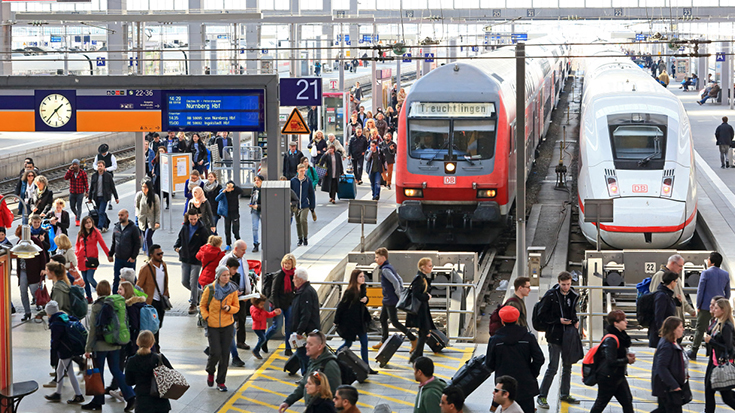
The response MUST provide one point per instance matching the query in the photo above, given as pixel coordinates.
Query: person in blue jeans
(103, 351)
(352, 317)
(101, 190)
(281, 296)
(125, 246)
(255, 210)
(375, 166)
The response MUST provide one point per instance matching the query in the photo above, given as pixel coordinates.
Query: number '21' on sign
(301, 91)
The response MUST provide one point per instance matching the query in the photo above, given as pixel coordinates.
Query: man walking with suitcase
(392, 285)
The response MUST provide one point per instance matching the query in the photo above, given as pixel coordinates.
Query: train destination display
(235, 110)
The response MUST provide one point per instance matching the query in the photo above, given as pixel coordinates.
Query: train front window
(429, 138)
(638, 140)
(473, 139)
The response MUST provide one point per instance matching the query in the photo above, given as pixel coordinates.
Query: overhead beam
(235, 17)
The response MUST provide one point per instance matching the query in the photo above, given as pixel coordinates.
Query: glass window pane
(466, 4)
(388, 5)
(366, 5)
(571, 3)
(546, 3)
(625, 3)
(474, 139)
(429, 138)
(599, 3)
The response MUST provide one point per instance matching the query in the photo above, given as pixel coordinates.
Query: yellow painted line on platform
(265, 376)
(239, 410)
(651, 363)
(444, 356)
(651, 353)
(444, 366)
(411, 368)
(239, 393)
(390, 386)
(384, 373)
(262, 403)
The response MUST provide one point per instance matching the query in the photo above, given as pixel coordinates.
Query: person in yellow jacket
(664, 78)
(218, 306)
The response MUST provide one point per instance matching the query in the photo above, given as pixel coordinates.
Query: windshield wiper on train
(647, 159)
(467, 158)
(432, 159)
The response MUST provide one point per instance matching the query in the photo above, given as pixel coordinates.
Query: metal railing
(336, 293)
(619, 289)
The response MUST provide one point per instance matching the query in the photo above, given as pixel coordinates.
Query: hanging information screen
(233, 110)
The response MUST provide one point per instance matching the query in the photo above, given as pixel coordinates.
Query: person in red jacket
(210, 255)
(260, 317)
(87, 253)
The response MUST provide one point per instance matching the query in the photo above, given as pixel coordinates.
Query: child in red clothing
(260, 317)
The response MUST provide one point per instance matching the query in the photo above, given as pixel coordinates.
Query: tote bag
(93, 385)
(168, 383)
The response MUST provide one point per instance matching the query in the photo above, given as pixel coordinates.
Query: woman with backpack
(420, 287)
(218, 306)
(62, 349)
(133, 304)
(719, 339)
(352, 316)
(612, 363)
(104, 351)
(88, 254)
(61, 286)
(669, 378)
(139, 373)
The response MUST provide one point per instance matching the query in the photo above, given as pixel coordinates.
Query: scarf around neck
(194, 184)
(287, 283)
(210, 187)
(221, 292)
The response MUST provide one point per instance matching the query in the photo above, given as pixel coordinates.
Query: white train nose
(646, 223)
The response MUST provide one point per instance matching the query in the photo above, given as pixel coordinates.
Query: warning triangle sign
(295, 125)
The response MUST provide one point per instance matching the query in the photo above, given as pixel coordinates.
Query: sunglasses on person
(495, 390)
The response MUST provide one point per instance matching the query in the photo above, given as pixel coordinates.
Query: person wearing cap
(101, 189)
(103, 154)
(78, 187)
(714, 90)
(291, 160)
(255, 210)
(514, 351)
(60, 350)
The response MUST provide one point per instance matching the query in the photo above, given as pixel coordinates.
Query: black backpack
(538, 310)
(645, 309)
(268, 280)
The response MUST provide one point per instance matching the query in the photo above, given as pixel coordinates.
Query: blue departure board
(231, 110)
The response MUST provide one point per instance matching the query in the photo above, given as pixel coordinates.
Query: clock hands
(54, 112)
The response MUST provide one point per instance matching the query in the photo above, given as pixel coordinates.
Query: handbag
(78, 280)
(312, 150)
(93, 385)
(407, 302)
(681, 397)
(90, 262)
(42, 296)
(164, 300)
(723, 374)
(321, 170)
(168, 383)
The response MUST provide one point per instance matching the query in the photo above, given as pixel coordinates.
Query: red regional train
(455, 180)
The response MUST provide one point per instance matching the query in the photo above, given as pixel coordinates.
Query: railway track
(125, 160)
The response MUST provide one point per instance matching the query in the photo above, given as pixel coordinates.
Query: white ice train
(635, 146)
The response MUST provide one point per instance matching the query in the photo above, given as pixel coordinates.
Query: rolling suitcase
(470, 376)
(388, 349)
(437, 341)
(92, 209)
(293, 365)
(355, 363)
(347, 187)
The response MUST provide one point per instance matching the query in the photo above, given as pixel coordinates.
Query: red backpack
(589, 368)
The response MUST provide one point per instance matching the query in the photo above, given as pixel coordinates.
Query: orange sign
(295, 124)
(375, 296)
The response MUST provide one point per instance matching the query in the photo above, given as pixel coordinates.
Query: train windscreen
(429, 138)
(473, 139)
(638, 141)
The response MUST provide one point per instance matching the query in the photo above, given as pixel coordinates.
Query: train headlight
(413, 193)
(486, 193)
(450, 167)
(612, 186)
(667, 186)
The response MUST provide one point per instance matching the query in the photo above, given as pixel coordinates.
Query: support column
(140, 158)
(521, 257)
(702, 67)
(292, 70)
(354, 31)
(342, 62)
(117, 39)
(377, 95)
(452, 51)
(726, 74)
(196, 39)
(6, 37)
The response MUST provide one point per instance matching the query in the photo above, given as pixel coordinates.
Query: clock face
(55, 110)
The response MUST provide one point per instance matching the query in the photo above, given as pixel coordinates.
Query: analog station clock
(55, 110)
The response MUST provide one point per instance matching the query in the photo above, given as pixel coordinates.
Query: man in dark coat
(304, 313)
(312, 121)
(192, 236)
(559, 311)
(356, 149)
(664, 305)
(330, 182)
(125, 245)
(291, 160)
(101, 190)
(513, 351)
(724, 135)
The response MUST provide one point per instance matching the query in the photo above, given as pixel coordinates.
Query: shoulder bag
(723, 373)
(90, 262)
(407, 302)
(42, 296)
(164, 300)
(168, 383)
(93, 379)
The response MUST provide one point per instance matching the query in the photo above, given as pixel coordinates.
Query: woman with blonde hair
(210, 254)
(41, 197)
(65, 249)
(281, 295)
(719, 339)
(317, 386)
(420, 287)
(139, 374)
(58, 218)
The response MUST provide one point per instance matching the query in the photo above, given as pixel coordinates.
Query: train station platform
(330, 239)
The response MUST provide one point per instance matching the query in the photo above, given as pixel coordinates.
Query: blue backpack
(149, 319)
(643, 287)
(75, 339)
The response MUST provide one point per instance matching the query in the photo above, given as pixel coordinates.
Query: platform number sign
(530, 12)
(650, 268)
(687, 11)
(301, 92)
(496, 12)
(618, 12)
